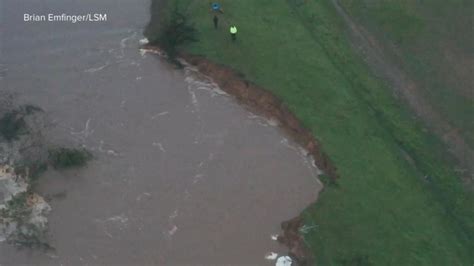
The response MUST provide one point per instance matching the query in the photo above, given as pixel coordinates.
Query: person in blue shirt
(216, 7)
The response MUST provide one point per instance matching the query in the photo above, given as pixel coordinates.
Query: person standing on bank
(233, 32)
(216, 21)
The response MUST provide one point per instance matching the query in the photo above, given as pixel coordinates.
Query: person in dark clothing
(216, 21)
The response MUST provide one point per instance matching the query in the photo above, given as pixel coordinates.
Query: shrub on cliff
(28, 234)
(61, 158)
(13, 123)
(173, 32)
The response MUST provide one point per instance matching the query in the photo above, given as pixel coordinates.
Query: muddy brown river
(182, 174)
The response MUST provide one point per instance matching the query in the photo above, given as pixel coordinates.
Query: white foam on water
(198, 81)
(92, 70)
(123, 44)
(86, 132)
(271, 256)
(263, 121)
(173, 230)
(197, 178)
(118, 219)
(159, 114)
(307, 159)
(187, 195)
(273, 122)
(143, 41)
(108, 151)
(173, 215)
(143, 195)
(171, 219)
(143, 52)
(133, 63)
(194, 98)
(113, 153)
(159, 145)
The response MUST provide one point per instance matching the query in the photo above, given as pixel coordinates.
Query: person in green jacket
(233, 32)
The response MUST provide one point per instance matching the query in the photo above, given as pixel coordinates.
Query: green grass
(382, 210)
(435, 39)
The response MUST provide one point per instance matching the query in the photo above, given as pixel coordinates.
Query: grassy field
(435, 39)
(398, 200)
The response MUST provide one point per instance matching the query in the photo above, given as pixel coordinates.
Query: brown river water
(182, 174)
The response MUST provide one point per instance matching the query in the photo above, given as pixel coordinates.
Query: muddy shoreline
(263, 102)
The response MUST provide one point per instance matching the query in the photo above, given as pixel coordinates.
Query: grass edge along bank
(398, 201)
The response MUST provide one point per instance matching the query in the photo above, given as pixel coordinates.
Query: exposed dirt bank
(293, 239)
(265, 103)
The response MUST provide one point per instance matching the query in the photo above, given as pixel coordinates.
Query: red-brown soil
(265, 103)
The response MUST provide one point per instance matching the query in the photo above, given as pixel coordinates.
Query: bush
(12, 125)
(31, 170)
(62, 158)
(30, 237)
(173, 33)
(16, 208)
(327, 180)
(27, 234)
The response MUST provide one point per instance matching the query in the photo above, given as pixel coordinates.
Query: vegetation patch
(31, 170)
(327, 180)
(62, 158)
(13, 124)
(174, 31)
(16, 209)
(19, 211)
(23, 220)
